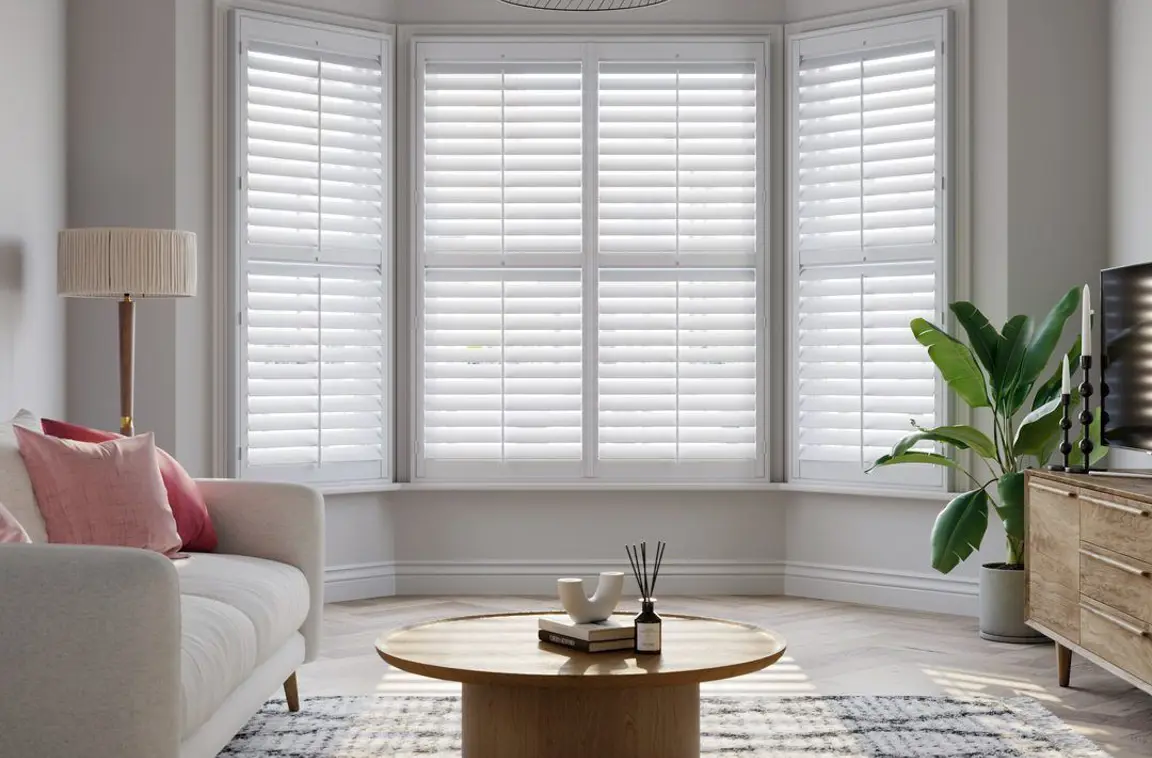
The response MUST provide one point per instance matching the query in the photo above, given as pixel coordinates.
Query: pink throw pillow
(184, 498)
(10, 529)
(106, 493)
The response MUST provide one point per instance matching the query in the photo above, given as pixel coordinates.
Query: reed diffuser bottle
(649, 627)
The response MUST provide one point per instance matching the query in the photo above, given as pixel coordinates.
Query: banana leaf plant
(995, 372)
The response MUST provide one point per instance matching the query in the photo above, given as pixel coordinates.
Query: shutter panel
(315, 371)
(502, 370)
(869, 242)
(677, 166)
(677, 352)
(677, 364)
(866, 137)
(502, 164)
(314, 234)
(502, 184)
(863, 379)
(315, 155)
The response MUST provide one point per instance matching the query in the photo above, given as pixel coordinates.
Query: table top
(504, 650)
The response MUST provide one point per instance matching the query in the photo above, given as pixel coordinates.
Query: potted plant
(997, 371)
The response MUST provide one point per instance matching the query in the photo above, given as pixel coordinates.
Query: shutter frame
(840, 45)
(351, 446)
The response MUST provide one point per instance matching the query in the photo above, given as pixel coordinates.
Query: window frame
(881, 29)
(332, 37)
(589, 44)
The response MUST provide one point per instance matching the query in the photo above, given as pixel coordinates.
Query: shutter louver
(866, 150)
(314, 235)
(868, 246)
(678, 196)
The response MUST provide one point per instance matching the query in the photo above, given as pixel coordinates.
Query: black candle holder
(1066, 426)
(1085, 416)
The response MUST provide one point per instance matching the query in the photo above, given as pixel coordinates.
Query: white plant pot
(1002, 609)
(588, 610)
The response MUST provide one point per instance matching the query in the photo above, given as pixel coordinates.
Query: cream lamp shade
(114, 262)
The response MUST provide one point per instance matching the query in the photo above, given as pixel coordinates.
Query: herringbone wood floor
(834, 648)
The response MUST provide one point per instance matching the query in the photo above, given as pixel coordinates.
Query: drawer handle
(1116, 564)
(1053, 490)
(1130, 510)
(1118, 622)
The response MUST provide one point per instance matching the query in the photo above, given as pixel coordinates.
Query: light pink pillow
(100, 493)
(10, 529)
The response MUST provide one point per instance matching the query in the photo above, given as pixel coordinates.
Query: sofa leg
(292, 693)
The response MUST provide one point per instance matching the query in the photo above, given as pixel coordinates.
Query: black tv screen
(1126, 362)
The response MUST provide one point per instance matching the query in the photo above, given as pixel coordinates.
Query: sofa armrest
(280, 522)
(89, 652)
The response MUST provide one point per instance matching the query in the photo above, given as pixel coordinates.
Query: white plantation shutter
(589, 225)
(313, 237)
(678, 179)
(869, 243)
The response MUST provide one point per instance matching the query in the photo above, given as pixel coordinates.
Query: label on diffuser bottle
(648, 637)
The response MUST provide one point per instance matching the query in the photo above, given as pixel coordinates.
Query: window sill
(658, 486)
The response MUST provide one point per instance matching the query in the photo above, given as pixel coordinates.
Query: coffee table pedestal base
(555, 722)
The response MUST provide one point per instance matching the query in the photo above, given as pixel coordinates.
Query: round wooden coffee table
(527, 699)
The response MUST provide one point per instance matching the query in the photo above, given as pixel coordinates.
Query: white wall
(32, 204)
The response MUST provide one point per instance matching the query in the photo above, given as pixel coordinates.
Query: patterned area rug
(791, 727)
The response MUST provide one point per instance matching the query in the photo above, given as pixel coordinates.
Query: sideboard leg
(1063, 664)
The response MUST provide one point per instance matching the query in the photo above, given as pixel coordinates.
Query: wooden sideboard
(1089, 566)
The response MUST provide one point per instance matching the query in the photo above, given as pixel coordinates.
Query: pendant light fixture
(583, 5)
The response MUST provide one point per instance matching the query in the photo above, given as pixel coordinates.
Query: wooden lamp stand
(127, 308)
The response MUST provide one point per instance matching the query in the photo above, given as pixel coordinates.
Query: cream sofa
(122, 653)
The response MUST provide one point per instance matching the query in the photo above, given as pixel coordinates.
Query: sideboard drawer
(1120, 525)
(1116, 580)
(1054, 523)
(1116, 637)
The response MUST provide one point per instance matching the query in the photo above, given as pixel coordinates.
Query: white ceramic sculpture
(589, 610)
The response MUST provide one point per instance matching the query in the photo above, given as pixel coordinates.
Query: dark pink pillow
(100, 493)
(10, 529)
(188, 506)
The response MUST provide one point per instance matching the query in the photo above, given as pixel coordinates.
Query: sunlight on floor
(960, 683)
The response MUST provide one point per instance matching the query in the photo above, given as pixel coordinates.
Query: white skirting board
(880, 587)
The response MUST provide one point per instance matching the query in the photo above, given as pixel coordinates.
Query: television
(1125, 327)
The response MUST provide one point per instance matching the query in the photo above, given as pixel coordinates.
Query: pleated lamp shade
(114, 262)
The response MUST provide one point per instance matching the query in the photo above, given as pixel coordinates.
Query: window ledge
(815, 488)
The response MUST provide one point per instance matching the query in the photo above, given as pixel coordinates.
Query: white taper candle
(1065, 379)
(1086, 323)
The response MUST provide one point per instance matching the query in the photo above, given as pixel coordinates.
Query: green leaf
(961, 436)
(1011, 507)
(1051, 388)
(1038, 429)
(934, 459)
(981, 333)
(1009, 358)
(1040, 349)
(955, 362)
(959, 530)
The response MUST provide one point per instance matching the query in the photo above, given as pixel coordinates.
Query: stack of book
(602, 637)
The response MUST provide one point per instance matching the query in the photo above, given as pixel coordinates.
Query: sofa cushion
(217, 653)
(273, 596)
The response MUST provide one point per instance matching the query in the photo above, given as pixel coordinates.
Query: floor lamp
(125, 264)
